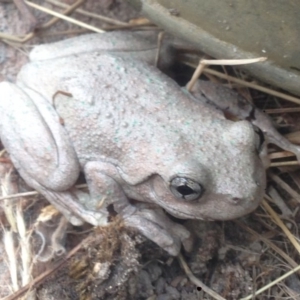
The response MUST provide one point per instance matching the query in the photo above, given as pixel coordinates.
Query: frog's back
(120, 109)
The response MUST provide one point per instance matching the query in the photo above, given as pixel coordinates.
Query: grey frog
(91, 104)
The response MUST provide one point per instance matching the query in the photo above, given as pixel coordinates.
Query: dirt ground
(233, 258)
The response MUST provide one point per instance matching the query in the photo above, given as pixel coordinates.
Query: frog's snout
(236, 200)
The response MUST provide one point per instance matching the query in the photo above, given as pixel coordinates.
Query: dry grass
(278, 217)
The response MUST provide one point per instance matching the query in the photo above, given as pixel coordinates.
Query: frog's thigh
(37, 142)
(152, 223)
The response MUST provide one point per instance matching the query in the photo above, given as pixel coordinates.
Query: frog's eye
(186, 188)
(259, 139)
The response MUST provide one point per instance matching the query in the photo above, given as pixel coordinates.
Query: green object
(231, 29)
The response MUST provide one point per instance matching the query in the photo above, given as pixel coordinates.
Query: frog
(149, 149)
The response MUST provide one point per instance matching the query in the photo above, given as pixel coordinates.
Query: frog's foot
(157, 227)
(234, 104)
(52, 234)
(68, 202)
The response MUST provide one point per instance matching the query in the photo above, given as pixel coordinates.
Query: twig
(278, 221)
(284, 163)
(38, 280)
(26, 256)
(284, 186)
(159, 43)
(282, 110)
(232, 62)
(281, 154)
(285, 256)
(33, 193)
(247, 84)
(63, 17)
(89, 14)
(26, 194)
(17, 39)
(27, 14)
(2, 152)
(12, 260)
(57, 16)
(195, 76)
(196, 281)
(264, 288)
(67, 12)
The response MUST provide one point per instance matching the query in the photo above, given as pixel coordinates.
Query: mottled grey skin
(131, 130)
(231, 102)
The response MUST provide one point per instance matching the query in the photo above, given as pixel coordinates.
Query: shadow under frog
(95, 104)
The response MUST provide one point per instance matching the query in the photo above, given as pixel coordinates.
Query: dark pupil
(185, 190)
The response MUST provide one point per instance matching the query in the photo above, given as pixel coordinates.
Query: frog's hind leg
(40, 149)
(68, 202)
(32, 134)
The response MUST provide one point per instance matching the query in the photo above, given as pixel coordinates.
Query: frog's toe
(155, 233)
(156, 226)
(52, 236)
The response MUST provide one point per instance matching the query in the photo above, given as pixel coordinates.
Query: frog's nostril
(236, 200)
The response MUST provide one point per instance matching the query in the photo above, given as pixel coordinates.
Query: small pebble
(175, 295)
(154, 271)
(160, 285)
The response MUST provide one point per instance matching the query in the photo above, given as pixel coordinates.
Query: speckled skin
(131, 130)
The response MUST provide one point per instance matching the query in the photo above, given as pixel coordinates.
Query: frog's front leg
(151, 222)
(40, 149)
(231, 102)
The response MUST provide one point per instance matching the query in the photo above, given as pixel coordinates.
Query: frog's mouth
(218, 208)
(210, 206)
